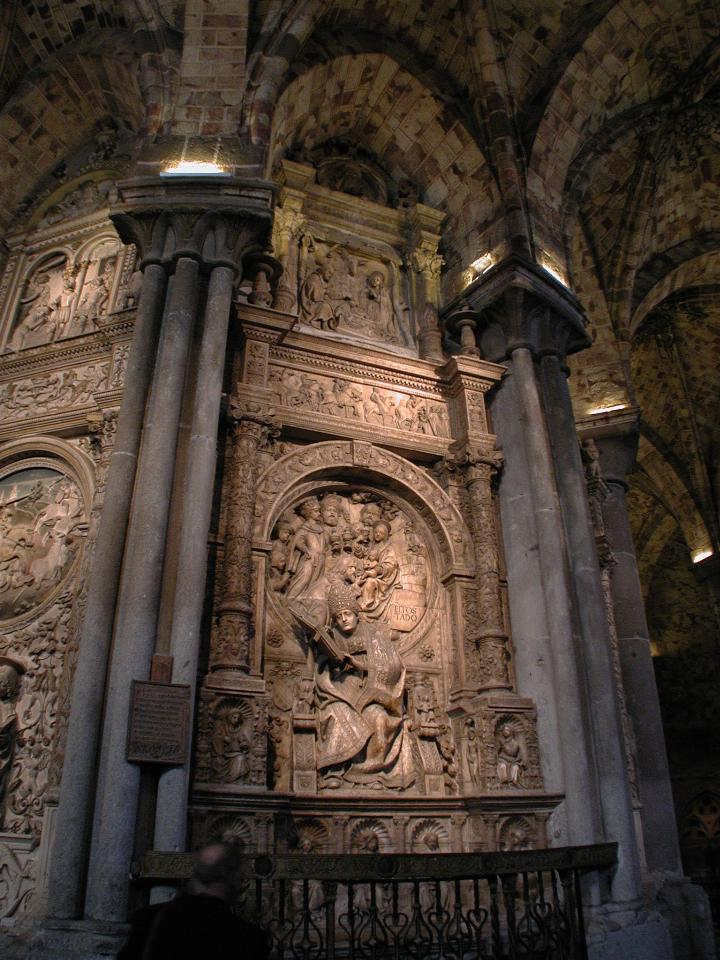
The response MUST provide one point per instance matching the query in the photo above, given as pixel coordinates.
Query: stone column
(136, 618)
(425, 264)
(532, 640)
(171, 816)
(230, 654)
(67, 865)
(607, 734)
(580, 783)
(662, 852)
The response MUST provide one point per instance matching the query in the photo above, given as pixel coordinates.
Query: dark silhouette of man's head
(215, 871)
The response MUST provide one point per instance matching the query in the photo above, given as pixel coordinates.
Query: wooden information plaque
(159, 721)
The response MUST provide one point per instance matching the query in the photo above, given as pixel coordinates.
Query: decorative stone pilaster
(486, 636)
(425, 267)
(288, 231)
(230, 656)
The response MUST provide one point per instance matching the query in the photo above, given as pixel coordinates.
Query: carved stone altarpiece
(372, 688)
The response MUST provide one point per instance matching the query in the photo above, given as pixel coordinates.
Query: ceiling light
(701, 555)
(615, 406)
(195, 168)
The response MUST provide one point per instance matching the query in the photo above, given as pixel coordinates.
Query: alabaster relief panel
(64, 296)
(353, 292)
(42, 523)
(357, 402)
(355, 612)
(59, 390)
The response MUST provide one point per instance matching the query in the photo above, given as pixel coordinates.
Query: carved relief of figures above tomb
(364, 403)
(66, 295)
(351, 292)
(42, 523)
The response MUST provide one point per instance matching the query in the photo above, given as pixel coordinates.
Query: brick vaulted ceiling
(584, 134)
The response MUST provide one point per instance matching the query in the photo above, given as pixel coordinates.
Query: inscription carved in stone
(159, 718)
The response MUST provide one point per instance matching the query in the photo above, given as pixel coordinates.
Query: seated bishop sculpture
(359, 688)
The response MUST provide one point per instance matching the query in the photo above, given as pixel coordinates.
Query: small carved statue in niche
(472, 751)
(516, 833)
(379, 308)
(230, 746)
(279, 732)
(64, 304)
(10, 672)
(359, 685)
(511, 756)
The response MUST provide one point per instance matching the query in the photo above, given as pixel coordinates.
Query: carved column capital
(521, 305)
(213, 221)
(476, 461)
(251, 420)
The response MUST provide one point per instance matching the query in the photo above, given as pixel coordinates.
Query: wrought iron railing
(493, 906)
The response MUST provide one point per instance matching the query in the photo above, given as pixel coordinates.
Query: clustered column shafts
(230, 649)
(119, 780)
(596, 654)
(580, 784)
(180, 232)
(171, 818)
(661, 844)
(67, 865)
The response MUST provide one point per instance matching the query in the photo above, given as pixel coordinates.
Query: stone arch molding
(368, 463)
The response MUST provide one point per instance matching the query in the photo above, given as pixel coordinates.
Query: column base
(618, 931)
(66, 939)
(686, 908)
(673, 922)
